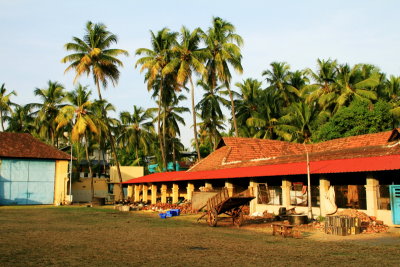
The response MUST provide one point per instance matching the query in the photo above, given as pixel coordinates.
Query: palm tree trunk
(233, 111)
(98, 169)
(102, 148)
(89, 165)
(2, 122)
(173, 155)
(164, 159)
(52, 136)
(114, 153)
(194, 120)
(164, 137)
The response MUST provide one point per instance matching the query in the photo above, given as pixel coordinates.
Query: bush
(360, 117)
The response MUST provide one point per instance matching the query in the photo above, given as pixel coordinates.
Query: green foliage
(360, 117)
(205, 149)
(334, 100)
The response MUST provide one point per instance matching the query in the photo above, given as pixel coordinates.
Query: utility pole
(310, 215)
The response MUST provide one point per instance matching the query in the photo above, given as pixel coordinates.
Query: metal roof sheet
(389, 162)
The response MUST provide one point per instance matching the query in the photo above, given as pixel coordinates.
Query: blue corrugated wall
(395, 203)
(26, 182)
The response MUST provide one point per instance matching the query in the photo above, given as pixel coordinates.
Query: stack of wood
(368, 224)
(342, 225)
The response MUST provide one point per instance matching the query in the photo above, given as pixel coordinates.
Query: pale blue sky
(33, 34)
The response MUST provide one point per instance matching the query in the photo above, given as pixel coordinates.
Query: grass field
(78, 236)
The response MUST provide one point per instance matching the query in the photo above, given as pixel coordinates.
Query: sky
(33, 34)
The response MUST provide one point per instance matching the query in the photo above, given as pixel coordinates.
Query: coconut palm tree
(223, 45)
(171, 114)
(279, 78)
(188, 59)
(108, 125)
(248, 107)
(21, 120)
(78, 113)
(210, 131)
(173, 117)
(211, 112)
(92, 55)
(352, 84)
(154, 61)
(303, 119)
(392, 92)
(258, 112)
(323, 90)
(137, 130)
(5, 104)
(53, 97)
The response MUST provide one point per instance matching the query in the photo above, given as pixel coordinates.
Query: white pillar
(130, 191)
(372, 188)
(253, 203)
(323, 189)
(164, 193)
(286, 185)
(175, 193)
(230, 188)
(153, 194)
(137, 193)
(189, 191)
(145, 193)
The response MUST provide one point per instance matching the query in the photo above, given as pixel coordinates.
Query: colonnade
(162, 191)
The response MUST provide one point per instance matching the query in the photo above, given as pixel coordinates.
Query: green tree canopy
(361, 117)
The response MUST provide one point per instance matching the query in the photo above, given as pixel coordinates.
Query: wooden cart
(222, 203)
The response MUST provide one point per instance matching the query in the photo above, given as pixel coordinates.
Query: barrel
(297, 219)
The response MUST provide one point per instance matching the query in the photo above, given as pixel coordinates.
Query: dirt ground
(80, 236)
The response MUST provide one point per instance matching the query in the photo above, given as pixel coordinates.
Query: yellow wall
(127, 172)
(81, 190)
(60, 184)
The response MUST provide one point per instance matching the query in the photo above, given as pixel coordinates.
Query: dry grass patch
(71, 236)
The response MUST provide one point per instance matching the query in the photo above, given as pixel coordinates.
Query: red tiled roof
(248, 157)
(23, 145)
(375, 139)
(243, 152)
(390, 162)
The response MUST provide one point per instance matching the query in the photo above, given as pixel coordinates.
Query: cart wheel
(238, 218)
(212, 218)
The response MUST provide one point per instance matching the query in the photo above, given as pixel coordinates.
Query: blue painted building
(31, 172)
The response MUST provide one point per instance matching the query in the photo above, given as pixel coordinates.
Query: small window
(384, 197)
(351, 196)
(270, 195)
(298, 194)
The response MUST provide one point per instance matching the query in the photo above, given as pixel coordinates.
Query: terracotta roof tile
(365, 140)
(245, 152)
(23, 145)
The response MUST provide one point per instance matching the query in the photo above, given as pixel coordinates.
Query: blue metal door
(395, 203)
(25, 182)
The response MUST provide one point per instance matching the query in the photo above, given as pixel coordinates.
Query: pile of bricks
(185, 208)
(354, 214)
